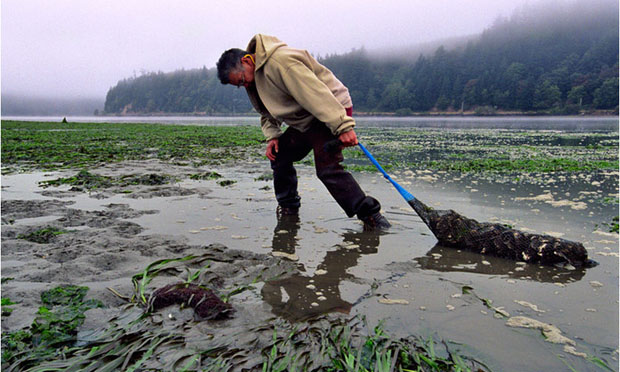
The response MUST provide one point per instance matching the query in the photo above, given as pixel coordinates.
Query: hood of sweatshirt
(263, 46)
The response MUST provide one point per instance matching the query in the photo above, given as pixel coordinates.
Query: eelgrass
(45, 145)
(37, 145)
(54, 328)
(137, 339)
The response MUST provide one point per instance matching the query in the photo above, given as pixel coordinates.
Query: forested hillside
(561, 59)
(183, 91)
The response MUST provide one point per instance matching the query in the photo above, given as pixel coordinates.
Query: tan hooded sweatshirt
(292, 87)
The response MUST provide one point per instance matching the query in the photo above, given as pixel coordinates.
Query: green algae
(37, 145)
(42, 236)
(44, 145)
(225, 183)
(86, 181)
(205, 176)
(6, 310)
(82, 180)
(55, 326)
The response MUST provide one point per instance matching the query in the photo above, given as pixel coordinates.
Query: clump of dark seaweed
(225, 183)
(205, 176)
(86, 181)
(82, 180)
(206, 304)
(150, 179)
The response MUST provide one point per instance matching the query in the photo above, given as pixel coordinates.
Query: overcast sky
(82, 48)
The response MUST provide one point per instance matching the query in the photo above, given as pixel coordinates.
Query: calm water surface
(567, 123)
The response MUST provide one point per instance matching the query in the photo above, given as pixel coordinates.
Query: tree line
(561, 61)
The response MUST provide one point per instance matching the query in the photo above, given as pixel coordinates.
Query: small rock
(290, 256)
(387, 301)
(596, 284)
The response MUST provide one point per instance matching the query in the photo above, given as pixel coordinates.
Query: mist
(26, 105)
(77, 50)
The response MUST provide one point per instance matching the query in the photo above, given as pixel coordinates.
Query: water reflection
(285, 234)
(301, 296)
(445, 259)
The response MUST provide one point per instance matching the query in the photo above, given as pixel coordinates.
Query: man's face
(244, 76)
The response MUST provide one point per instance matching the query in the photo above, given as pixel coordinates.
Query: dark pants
(294, 146)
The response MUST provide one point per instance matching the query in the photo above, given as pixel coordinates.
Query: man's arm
(272, 149)
(272, 132)
(270, 127)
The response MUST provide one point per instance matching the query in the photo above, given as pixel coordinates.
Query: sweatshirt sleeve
(316, 98)
(270, 126)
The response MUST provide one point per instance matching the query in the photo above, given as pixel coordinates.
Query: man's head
(236, 67)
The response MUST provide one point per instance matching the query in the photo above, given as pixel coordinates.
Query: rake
(456, 231)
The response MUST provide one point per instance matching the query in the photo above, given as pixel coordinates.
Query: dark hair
(229, 62)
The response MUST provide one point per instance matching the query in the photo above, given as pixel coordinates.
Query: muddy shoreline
(103, 221)
(326, 263)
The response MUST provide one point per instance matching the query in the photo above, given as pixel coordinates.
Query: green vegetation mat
(38, 145)
(48, 146)
(487, 150)
(54, 328)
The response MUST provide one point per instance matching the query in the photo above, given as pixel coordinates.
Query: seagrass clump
(454, 230)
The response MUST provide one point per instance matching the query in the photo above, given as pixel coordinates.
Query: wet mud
(320, 263)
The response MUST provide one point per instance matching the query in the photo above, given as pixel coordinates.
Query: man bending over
(288, 85)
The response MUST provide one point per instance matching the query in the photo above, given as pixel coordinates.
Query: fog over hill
(552, 56)
(544, 59)
(22, 105)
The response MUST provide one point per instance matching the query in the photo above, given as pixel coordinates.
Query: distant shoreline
(386, 114)
(432, 114)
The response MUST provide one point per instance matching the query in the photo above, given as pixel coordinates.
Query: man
(289, 85)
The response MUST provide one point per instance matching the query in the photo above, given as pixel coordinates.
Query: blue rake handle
(334, 145)
(406, 194)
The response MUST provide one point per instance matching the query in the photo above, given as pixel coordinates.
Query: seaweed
(48, 145)
(205, 176)
(225, 183)
(86, 181)
(206, 304)
(42, 236)
(54, 327)
(6, 311)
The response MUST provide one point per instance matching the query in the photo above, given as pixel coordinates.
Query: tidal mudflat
(125, 209)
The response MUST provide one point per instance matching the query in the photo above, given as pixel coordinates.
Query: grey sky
(83, 47)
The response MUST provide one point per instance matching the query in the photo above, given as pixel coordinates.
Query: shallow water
(338, 262)
(570, 123)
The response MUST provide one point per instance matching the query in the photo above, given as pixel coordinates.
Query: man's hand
(272, 149)
(348, 138)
